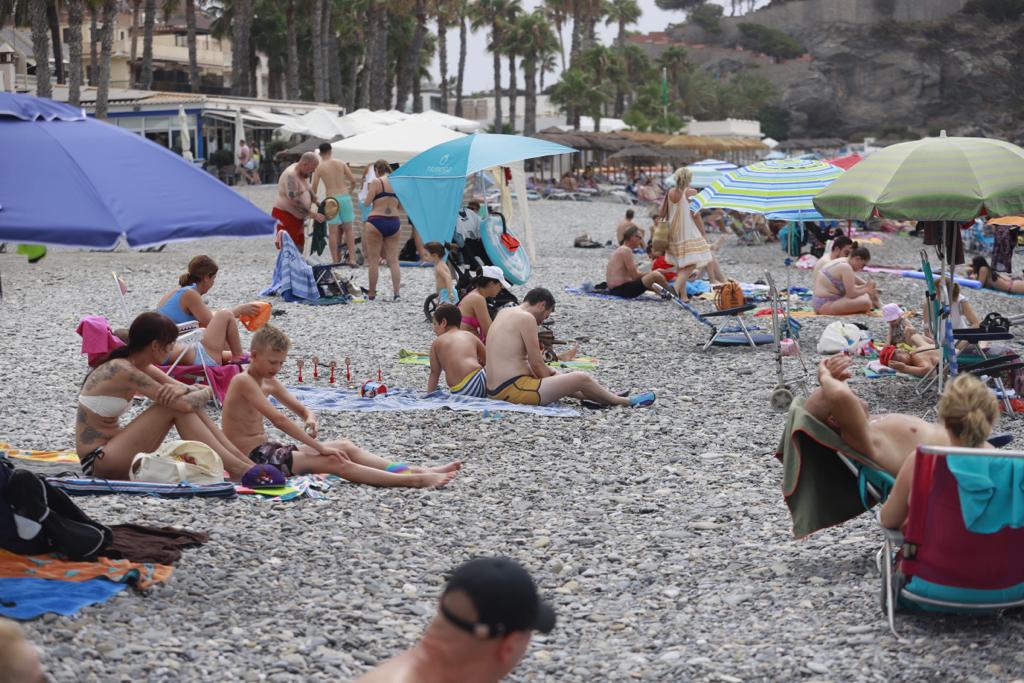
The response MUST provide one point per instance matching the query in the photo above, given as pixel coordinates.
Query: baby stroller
(464, 277)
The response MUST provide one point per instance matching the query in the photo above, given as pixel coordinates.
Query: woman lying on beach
(185, 304)
(838, 290)
(990, 279)
(105, 448)
(476, 317)
(967, 410)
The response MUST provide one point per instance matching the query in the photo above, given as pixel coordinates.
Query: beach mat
(399, 399)
(802, 312)
(407, 357)
(65, 456)
(24, 599)
(416, 264)
(142, 575)
(93, 486)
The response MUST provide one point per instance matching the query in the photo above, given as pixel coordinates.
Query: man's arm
(630, 264)
(314, 183)
(348, 175)
(435, 368)
(481, 352)
(534, 354)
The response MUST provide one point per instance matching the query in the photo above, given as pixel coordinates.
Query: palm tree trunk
(241, 29)
(352, 85)
(460, 76)
(379, 91)
(512, 90)
(577, 17)
(58, 52)
(334, 69)
(76, 11)
(106, 47)
(530, 113)
(133, 67)
(561, 43)
(442, 56)
(326, 30)
(41, 47)
(620, 92)
(193, 49)
(316, 30)
(496, 42)
(291, 72)
(149, 24)
(254, 70)
(94, 42)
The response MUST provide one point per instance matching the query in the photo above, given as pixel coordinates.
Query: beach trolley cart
(961, 549)
(784, 327)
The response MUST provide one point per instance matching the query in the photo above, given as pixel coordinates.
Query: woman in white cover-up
(687, 242)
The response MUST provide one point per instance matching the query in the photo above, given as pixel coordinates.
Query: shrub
(708, 17)
(769, 41)
(222, 158)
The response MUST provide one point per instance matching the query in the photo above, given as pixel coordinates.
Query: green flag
(664, 86)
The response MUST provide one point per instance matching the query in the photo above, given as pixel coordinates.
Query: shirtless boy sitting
(247, 403)
(887, 439)
(515, 368)
(338, 182)
(460, 354)
(622, 276)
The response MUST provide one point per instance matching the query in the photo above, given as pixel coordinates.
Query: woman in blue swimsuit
(185, 304)
(384, 224)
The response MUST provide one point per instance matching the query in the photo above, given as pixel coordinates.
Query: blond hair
(270, 338)
(968, 410)
(682, 176)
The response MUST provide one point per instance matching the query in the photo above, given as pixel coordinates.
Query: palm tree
(316, 37)
(536, 43)
(443, 9)
(149, 24)
(623, 13)
(510, 49)
(134, 31)
(546, 65)
(558, 11)
(492, 13)
(76, 12)
(106, 48)
(378, 86)
(576, 94)
(463, 10)
(193, 49)
(241, 46)
(94, 40)
(411, 64)
(55, 40)
(41, 47)
(291, 72)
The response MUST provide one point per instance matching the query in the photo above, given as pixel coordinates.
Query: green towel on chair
(819, 489)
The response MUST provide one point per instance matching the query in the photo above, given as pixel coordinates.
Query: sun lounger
(962, 546)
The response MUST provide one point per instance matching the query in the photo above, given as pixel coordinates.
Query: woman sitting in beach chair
(185, 304)
(105, 448)
(968, 411)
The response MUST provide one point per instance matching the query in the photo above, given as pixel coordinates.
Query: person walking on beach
(626, 224)
(687, 242)
(338, 182)
(485, 619)
(295, 200)
(245, 164)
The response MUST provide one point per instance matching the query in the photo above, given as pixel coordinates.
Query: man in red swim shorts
(295, 200)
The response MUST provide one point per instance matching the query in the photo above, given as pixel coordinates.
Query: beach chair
(961, 549)
(736, 335)
(825, 482)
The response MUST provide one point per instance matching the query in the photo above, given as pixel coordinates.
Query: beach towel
(398, 399)
(991, 492)
(94, 486)
(875, 370)
(66, 456)
(416, 264)
(819, 489)
(406, 357)
(313, 486)
(293, 278)
(160, 545)
(25, 599)
(140, 575)
(97, 339)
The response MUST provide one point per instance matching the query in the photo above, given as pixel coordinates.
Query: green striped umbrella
(934, 179)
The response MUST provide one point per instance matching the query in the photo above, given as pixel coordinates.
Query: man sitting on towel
(885, 439)
(622, 276)
(460, 354)
(516, 371)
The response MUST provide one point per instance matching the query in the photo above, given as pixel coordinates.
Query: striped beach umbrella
(934, 179)
(708, 171)
(782, 189)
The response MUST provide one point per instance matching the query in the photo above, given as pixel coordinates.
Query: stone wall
(807, 13)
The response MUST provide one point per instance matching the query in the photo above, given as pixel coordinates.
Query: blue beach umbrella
(781, 189)
(66, 179)
(431, 184)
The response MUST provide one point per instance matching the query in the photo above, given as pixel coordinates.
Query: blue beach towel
(100, 487)
(293, 278)
(30, 598)
(991, 492)
(397, 399)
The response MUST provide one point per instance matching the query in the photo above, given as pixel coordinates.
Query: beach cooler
(961, 549)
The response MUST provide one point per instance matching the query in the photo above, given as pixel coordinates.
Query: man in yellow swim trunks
(515, 367)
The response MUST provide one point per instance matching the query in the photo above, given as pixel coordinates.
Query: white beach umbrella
(186, 137)
(239, 132)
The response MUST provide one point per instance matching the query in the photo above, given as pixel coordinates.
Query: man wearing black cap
(486, 616)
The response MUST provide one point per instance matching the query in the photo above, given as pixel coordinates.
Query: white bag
(839, 337)
(178, 461)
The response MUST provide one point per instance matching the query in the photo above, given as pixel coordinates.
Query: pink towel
(97, 339)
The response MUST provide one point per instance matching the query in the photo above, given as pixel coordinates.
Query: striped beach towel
(99, 487)
(293, 278)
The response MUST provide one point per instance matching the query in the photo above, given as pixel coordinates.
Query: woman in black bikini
(382, 232)
(990, 279)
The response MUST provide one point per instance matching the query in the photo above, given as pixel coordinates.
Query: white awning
(395, 144)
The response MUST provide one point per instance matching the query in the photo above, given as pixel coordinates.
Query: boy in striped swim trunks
(458, 353)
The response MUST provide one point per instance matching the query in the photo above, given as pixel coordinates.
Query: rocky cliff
(866, 74)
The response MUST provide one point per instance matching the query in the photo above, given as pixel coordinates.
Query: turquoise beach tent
(431, 184)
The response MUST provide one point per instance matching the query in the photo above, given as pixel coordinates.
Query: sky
(479, 65)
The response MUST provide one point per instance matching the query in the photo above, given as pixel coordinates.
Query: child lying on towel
(247, 403)
(458, 353)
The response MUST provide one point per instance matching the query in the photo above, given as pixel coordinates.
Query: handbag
(178, 461)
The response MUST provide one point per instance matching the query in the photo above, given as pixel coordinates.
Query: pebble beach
(659, 535)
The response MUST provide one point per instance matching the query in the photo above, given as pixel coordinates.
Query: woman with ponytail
(185, 304)
(105, 448)
(968, 410)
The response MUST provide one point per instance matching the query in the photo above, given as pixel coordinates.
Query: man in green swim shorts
(338, 182)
